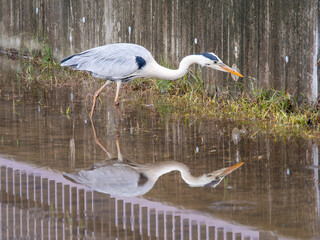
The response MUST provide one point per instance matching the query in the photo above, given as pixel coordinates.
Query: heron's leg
(96, 96)
(116, 100)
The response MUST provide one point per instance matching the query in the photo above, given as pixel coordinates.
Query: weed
(261, 110)
(67, 112)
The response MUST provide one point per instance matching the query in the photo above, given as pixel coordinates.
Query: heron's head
(211, 60)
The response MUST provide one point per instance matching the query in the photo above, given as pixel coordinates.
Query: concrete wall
(273, 43)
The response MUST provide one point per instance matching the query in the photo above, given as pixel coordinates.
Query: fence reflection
(38, 203)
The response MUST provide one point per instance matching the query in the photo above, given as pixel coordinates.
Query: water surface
(274, 195)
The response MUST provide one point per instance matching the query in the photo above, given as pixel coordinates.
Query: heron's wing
(112, 61)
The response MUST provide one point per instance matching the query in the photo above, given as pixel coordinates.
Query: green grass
(42, 70)
(262, 110)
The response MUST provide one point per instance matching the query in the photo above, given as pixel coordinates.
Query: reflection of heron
(129, 179)
(120, 177)
(123, 62)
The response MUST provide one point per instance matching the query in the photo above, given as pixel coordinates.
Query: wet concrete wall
(273, 43)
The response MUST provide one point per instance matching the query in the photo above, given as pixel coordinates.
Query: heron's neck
(166, 167)
(159, 71)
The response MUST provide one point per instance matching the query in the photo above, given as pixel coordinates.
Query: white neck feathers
(158, 71)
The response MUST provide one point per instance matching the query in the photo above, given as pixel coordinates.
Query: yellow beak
(229, 69)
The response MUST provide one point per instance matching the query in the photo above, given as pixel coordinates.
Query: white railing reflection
(40, 204)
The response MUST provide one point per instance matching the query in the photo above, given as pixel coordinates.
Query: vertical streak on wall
(314, 85)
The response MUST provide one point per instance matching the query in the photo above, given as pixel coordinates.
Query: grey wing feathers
(112, 61)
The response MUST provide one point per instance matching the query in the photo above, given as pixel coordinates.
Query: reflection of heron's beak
(231, 169)
(229, 69)
(220, 174)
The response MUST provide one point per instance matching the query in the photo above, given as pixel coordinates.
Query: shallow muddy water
(274, 195)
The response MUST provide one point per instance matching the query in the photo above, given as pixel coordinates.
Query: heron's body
(123, 62)
(115, 62)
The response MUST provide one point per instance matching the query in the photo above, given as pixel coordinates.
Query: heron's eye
(215, 61)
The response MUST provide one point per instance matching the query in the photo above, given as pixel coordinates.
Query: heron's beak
(231, 169)
(229, 69)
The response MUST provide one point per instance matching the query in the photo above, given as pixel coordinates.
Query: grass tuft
(264, 110)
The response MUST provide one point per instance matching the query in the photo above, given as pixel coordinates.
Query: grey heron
(123, 62)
